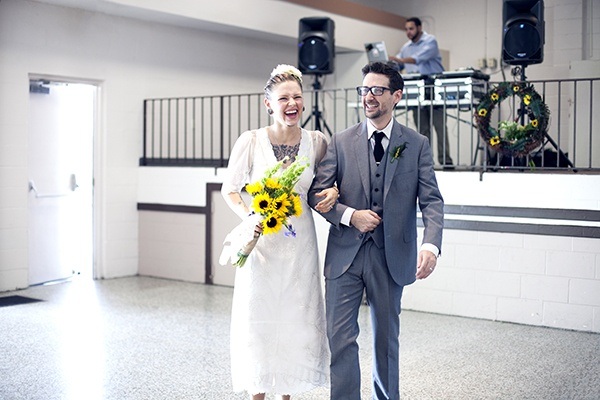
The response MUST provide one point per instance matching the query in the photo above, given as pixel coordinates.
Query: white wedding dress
(278, 334)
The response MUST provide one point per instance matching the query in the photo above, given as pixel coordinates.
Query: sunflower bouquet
(274, 202)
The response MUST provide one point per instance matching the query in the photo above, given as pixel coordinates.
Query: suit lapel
(390, 168)
(362, 151)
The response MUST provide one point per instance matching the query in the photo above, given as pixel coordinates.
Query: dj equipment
(376, 52)
(413, 77)
(463, 73)
(461, 89)
(451, 89)
(459, 92)
(413, 94)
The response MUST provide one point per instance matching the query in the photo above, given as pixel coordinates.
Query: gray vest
(377, 179)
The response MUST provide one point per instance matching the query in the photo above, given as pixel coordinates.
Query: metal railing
(200, 131)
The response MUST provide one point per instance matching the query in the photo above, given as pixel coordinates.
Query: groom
(382, 170)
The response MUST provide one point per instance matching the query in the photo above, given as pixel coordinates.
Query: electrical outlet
(492, 63)
(482, 63)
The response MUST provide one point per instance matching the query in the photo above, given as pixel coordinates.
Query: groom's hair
(387, 69)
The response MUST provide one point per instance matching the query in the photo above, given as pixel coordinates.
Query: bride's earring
(270, 111)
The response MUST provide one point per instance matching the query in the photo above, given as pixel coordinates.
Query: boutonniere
(397, 152)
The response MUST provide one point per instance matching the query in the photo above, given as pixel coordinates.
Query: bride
(278, 333)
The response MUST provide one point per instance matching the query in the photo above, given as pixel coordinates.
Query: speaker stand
(316, 113)
(561, 155)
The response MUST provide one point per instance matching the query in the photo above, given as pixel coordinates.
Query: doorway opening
(62, 124)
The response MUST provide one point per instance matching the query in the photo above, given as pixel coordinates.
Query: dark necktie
(378, 149)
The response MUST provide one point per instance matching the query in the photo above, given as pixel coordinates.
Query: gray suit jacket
(409, 179)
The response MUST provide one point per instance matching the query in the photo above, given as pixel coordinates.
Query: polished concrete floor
(146, 338)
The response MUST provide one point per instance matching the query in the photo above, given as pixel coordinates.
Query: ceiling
(120, 10)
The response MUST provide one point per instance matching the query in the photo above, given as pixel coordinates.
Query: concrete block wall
(532, 279)
(549, 281)
(172, 245)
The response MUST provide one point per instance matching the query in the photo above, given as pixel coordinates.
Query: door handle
(73, 182)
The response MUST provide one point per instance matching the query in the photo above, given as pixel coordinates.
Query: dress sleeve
(320, 146)
(239, 168)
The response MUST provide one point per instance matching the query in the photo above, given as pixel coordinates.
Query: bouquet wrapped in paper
(274, 201)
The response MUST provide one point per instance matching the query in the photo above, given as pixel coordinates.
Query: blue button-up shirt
(426, 53)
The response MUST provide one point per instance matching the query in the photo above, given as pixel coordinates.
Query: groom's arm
(326, 177)
(430, 200)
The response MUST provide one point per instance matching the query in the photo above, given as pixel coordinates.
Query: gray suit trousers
(344, 296)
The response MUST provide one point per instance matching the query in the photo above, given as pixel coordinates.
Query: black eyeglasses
(375, 90)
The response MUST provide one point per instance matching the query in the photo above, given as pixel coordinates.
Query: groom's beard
(375, 112)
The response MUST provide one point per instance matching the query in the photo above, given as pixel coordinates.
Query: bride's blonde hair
(282, 73)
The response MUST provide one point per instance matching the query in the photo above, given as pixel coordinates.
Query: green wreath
(511, 138)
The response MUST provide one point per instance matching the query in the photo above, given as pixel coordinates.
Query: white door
(60, 157)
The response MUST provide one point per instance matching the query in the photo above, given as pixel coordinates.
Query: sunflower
(271, 224)
(281, 205)
(254, 188)
(297, 205)
(272, 184)
(261, 203)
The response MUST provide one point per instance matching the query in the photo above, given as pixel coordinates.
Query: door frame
(98, 169)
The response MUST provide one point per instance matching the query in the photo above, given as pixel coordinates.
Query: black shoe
(448, 167)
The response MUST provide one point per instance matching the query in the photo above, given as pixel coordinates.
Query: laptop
(376, 51)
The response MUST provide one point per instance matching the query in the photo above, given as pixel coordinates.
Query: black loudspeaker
(316, 46)
(523, 35)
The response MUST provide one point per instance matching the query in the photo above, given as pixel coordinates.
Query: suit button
(360, 236)
(376, 190)
(377, 175)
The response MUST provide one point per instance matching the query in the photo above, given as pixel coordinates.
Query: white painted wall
(133, 60)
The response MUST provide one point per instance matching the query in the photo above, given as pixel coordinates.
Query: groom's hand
(365, 220)
(425, 264)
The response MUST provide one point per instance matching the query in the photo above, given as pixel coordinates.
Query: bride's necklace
(282, 151)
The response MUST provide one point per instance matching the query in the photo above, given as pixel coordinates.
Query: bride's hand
(258, 230)
(330, 198)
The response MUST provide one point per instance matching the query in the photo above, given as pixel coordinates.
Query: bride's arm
(238, 173)
(237, 204)
(331, 194)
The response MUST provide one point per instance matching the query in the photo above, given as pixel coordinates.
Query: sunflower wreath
(511, 138)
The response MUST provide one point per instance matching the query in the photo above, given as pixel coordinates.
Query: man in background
(421, 55)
